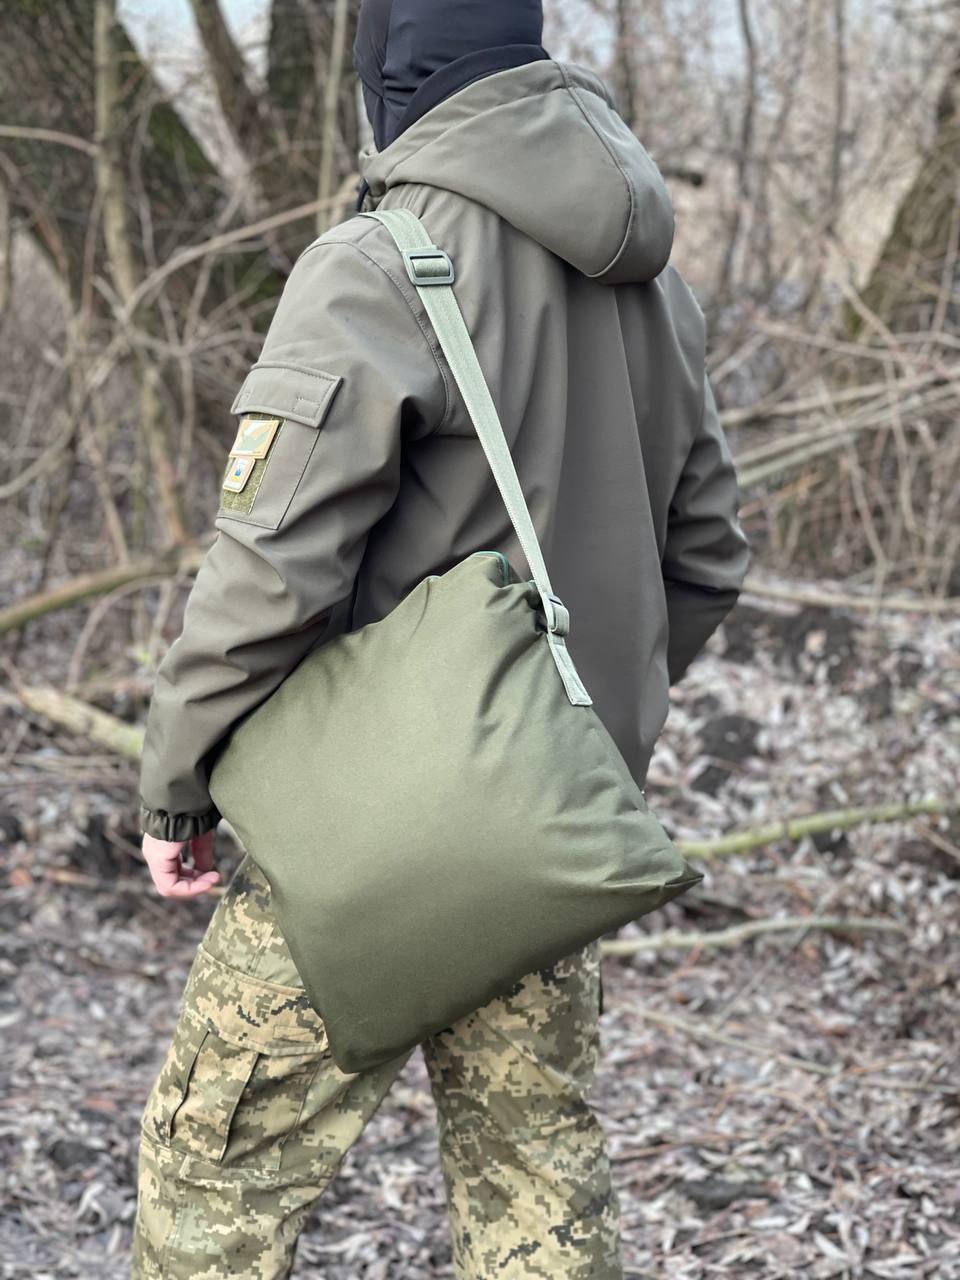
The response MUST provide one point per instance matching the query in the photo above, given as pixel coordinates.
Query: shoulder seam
(427, 332)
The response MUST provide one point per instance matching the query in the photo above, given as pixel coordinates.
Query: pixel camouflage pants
(249, 1117)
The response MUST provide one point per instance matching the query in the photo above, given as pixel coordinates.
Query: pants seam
(174, 1237)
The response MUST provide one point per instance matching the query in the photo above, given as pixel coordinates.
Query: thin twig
(836, 1073)
(218, 243)
(49, 135)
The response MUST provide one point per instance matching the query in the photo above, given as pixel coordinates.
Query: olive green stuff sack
(437, 806)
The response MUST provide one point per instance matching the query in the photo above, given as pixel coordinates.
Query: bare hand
(171, 877)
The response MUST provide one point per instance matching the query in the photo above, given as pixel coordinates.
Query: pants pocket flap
(251, 1013)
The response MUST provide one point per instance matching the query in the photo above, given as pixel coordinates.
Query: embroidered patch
(254, 437)
(238, 473)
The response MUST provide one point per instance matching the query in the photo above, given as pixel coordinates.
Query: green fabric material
(178, 826)
(448, 324)
(695, 613)
(435, 817)
(292, 391)
(594, 352)
(544, 146)
(433, 821)
(243, 501)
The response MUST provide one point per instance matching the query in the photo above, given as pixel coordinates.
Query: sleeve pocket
(281, 408)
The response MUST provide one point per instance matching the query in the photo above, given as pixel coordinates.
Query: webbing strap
(431, 271)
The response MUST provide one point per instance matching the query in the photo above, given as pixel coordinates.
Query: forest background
(779, 1079)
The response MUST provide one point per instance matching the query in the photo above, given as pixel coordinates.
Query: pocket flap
(249, 1012)
(287, 390)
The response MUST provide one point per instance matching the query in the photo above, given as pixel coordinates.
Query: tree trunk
(108, 181)
(174, 193)
(110, 188)
(302, 34)
(328, 152)
(623, 73)
(47, 79)
(904, 288)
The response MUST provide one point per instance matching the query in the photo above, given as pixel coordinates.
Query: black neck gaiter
(411, 54)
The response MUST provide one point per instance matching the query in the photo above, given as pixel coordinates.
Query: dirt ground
(785, 1107)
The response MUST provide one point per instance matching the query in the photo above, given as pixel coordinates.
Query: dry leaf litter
(788, 1107)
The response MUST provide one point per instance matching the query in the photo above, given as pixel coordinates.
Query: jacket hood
(543, 146)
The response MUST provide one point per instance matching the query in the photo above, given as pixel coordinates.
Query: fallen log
(88, 585)
(812, 824)
(187, 560)
(79, 717)
(669, 939)
(127, 740)
(841, 600)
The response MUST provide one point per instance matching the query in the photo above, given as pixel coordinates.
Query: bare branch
(217, 244)
(110, 179)
(812, 824)
(678, 939)
(839, 600)
(49, 135)
(6, 245)
(96, 584)
(331, 98)
(79, 717)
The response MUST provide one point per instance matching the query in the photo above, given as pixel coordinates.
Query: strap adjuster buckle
(436, 268)
(555, 613)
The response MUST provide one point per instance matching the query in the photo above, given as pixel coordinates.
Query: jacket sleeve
(345, 377)
(706, 553)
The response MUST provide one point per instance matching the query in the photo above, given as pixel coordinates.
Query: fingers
(170, 877)
(189, 885)
(202, 851)
(163, 859)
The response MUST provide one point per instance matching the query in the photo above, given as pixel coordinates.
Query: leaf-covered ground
(789, 1107)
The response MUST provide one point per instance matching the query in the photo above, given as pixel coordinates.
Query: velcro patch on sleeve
(238, 473)
(249, 456)
(280, 410)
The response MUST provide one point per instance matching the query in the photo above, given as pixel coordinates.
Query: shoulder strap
(431, 271)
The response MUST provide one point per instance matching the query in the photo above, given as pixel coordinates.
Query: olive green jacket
(356, 470)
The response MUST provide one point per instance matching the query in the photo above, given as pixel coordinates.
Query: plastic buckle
(412, 256)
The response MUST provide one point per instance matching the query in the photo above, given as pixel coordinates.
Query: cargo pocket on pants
(243, 1056)
(196, 1094)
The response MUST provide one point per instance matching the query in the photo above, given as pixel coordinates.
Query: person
(355, 473)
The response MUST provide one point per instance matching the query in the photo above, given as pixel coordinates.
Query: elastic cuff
(177, 826)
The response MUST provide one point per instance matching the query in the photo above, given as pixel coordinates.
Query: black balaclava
(411, 54)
